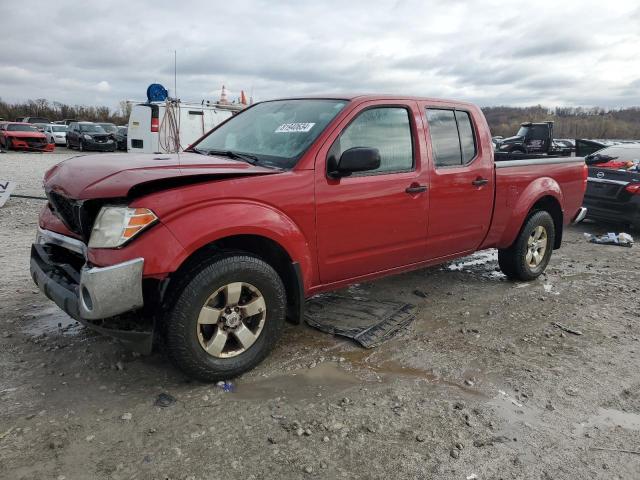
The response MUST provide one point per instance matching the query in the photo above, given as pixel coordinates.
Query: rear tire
(529, 255)
(206, 308)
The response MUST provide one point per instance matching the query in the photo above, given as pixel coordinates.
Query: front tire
(81, 146)
(227, 316)
(529, 255)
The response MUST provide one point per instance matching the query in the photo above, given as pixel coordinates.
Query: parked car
(211, 249)
(23, 136)
(36, 120)
(613, 188)
(121, 138)
(67, 121)
(109, 127)
(89, 136)
(40, 126)
(56, 133)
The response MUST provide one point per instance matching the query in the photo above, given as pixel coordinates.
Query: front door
(373, 221)
(462, 182)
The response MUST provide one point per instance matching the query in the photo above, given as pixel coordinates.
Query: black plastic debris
(368, 322)
(164, 400)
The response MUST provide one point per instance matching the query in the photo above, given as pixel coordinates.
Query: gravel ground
(481, 385)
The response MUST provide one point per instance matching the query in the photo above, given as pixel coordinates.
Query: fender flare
(232, 217)
(532, 194)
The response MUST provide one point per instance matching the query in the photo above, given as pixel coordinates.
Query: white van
(169, 127)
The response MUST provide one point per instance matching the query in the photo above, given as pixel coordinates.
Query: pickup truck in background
(212, 249)
(533, 138)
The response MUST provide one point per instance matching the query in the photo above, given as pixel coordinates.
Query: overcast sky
(490, 52)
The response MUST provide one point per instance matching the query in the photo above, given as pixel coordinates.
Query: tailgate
(607, 184)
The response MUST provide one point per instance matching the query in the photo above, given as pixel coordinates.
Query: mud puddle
(607, 418)
(325, 379)
(50, 320)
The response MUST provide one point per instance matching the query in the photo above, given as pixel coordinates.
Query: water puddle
(610, 418)
(387, 369)
(50, 320)
(514, 413)
(326, 378)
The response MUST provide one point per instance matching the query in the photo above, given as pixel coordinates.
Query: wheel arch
(262, 247)
(550, 204)
(542, 194)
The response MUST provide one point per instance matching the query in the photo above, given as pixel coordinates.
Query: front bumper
(89, 294)
(109, 146)
(18, 144)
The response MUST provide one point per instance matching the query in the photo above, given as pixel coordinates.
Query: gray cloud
(575, 52)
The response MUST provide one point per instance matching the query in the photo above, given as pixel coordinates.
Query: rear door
(373, 221)
(462, 181)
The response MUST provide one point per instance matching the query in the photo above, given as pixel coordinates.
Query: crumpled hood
(112, 176)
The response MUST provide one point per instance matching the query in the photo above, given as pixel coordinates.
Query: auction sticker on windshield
(294, 127)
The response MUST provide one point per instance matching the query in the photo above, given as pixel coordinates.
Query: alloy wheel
(231, 320)
(536, 246)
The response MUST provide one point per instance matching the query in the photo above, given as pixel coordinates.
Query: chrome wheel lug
(236, 309)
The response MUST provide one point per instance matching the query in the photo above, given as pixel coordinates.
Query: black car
(121, 138)
(613, 186)
(89, 136)
(109, 127)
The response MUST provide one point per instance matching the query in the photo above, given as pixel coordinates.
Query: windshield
(275, 133)
(522, 132)
(16, 127)
(59, 128)
(92, 128)
(109, 127)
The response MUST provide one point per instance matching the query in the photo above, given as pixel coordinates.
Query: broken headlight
(115, 226)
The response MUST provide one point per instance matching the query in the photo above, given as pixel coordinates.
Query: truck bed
(518, 183)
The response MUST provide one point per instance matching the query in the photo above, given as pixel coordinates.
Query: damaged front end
(109, 300)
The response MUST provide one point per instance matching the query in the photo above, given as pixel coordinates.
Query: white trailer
(170, 127)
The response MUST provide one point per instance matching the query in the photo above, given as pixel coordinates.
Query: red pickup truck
(210, 250)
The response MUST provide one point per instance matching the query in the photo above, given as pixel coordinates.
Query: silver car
(56, 133)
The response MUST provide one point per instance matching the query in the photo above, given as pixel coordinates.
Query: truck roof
(371, 96)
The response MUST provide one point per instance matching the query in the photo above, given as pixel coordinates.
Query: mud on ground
(481, 385)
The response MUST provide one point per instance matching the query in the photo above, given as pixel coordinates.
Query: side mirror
(357, 159)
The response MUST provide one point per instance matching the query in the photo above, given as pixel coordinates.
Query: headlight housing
(86, 136)
(115, 226)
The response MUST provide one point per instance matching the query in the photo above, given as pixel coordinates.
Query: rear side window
(452, 137)
(386, 128)
(467, 138)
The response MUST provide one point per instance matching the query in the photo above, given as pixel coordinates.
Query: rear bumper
(90, 295)
(614, 211)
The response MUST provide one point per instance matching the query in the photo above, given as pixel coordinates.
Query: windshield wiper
(252, 159)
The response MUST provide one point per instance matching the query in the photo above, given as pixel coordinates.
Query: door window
(467, 138)
(386, 128)
(452, 137)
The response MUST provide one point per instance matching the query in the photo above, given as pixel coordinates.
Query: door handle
(478, 182)
(416, 188)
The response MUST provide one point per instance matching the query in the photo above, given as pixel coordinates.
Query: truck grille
(67, 210)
